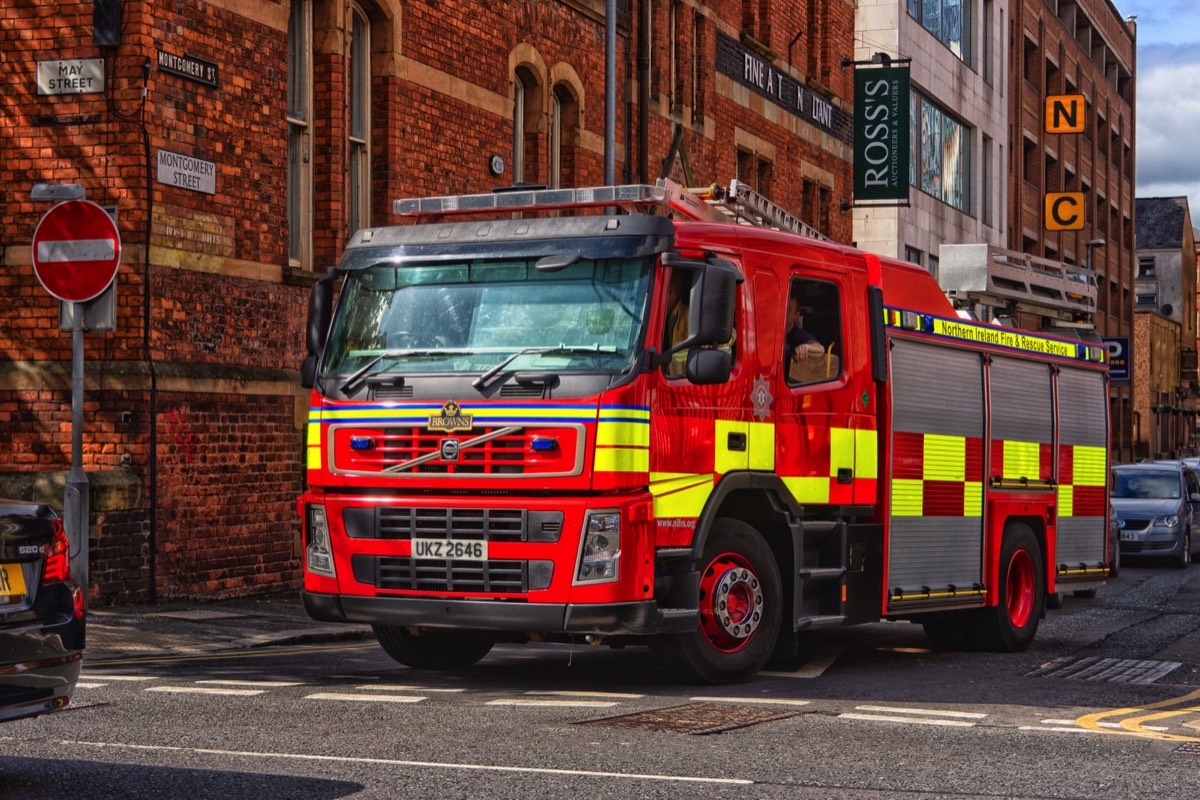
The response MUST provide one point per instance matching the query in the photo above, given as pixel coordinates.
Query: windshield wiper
(352, 382)
(564, 350)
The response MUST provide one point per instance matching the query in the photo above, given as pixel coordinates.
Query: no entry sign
(76, 250)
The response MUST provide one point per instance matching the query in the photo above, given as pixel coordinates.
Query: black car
(41, 612)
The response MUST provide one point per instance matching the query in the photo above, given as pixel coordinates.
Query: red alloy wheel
(1019, 588)
(731, 602)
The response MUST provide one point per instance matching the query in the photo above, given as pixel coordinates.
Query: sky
(1168, 98)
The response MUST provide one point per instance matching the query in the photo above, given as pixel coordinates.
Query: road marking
(524, 701)
(751, 700)
(88, 685)
(1054, 729)
(390, 762)
(365, 698)
(131, 678)
(206, 690)
(395, 687)
(1133, 725)
(813, 668)
(927, 711)
(617, 695)
(267, 684)
(951, 723)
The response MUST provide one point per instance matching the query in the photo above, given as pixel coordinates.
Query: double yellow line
(1133, 725)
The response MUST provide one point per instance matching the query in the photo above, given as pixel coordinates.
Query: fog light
(319, 551)
(600, 552)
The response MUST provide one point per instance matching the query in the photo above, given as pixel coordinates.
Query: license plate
(1128, 536)
(12, 582)
(450, 548)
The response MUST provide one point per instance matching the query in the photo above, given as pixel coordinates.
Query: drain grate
(1189, 748)
(694, 718)
(1105, 670)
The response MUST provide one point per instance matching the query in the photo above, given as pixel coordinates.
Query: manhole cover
(1105, 670)
(694, 718)
(1191, 748)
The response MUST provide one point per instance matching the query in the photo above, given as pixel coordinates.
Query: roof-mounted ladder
(747, 206)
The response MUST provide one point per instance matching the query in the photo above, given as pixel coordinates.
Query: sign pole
(76, 496)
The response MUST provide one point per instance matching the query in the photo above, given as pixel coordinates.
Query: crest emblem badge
(451, 419)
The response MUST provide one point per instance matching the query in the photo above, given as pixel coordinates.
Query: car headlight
(319, 552)
(601, 550)
(1169, 521)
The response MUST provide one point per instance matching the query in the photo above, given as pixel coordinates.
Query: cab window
(812, 332)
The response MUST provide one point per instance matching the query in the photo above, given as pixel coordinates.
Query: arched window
(564, 120)
(299, 134)
(359, 127)
(526, 104)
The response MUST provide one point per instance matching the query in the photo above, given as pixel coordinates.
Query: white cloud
(1168, 121)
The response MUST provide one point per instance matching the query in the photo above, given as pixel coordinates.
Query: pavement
(189, 628)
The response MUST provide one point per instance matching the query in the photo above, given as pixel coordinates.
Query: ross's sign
(882, 149)
(1065, 113)
(1118, 358)
(186, 172)
(76, 250)
(76, 76)
(190, 67)
(760, 76)
(1064, 211)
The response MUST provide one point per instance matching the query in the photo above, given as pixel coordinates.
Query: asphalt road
(872, 713)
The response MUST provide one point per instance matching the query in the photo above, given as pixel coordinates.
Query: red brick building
(241, 142)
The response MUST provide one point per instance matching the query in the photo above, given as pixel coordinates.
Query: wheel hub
(737, 603)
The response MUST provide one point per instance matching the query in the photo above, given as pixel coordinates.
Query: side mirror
(320, 314)
(712, 311)
(706, 367)
(308, 371)
(1194, 498)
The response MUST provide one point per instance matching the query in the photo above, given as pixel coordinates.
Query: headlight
(319, 553)
(1169, 521)
(601, 550)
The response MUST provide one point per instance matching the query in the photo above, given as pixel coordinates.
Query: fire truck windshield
(471, 317)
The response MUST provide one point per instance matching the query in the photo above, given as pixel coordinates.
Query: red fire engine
(635, 420)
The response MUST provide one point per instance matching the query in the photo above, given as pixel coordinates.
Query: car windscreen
(1147, 484)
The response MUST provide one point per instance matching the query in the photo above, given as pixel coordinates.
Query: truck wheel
(740, 608)
(432, 649)
(1010, 625)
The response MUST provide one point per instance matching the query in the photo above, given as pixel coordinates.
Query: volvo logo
(450, 449)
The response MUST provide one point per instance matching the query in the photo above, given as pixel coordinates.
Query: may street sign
(76, 250)
(76, 76)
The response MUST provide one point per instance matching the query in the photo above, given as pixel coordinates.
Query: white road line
(1051, 729)
(88, 685)
(759, 700)
(265, 684)
(365, 698)
(953, 723)
(1058, 722)
(389, 762)
(617, 695)
(131, 678)
(206, 690)
(813, 668)
(524, 701)
(395, 687)
(925, 711)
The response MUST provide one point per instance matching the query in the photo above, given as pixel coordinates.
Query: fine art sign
(760, 76)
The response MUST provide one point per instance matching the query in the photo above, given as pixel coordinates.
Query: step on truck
(582, 415)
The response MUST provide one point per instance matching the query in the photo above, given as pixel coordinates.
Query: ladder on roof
(737, 202)
(748, 207)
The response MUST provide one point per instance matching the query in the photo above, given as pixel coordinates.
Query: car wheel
(1185, 552)
(1114, 568)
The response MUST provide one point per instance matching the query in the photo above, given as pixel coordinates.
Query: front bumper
(1154, 544)
(610, 619)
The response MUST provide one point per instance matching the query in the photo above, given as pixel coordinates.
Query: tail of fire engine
(600, 426)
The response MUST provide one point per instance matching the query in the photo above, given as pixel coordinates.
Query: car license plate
(1128, 536)
(12, 582)
(460, 549)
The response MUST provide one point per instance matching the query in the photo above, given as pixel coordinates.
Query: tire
(1115, 568)
(1054, 600)
(426, 649)
(1087, 594)
(947, 631)
(1184, 558)
(740, 611)
(1010, 625)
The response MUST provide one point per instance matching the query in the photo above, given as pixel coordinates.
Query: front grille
(1135, 524)
(504, 455)
(401, 573)
(485, 524)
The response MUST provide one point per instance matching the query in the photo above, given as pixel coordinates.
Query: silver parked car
(1158, 508)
